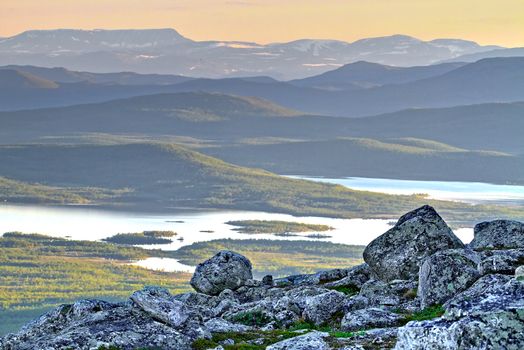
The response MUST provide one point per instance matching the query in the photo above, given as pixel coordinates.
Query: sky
(498, 22)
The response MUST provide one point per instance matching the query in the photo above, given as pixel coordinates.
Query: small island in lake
(275, 226)
(146, 237)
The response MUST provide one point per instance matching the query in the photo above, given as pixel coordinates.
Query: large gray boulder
(398, 253)
(445, 274)
(498, 234)
(225, 270)
(90, 324)
(369, 318)
(488, 315)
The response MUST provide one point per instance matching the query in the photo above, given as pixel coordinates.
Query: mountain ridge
(167, 52)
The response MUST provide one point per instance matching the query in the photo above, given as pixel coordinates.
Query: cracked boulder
(398, 253)
(445, 274)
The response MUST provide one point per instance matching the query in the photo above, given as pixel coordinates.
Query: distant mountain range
(355, 90)
(165, 51)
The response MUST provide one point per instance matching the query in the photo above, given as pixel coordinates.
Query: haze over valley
(128, 156)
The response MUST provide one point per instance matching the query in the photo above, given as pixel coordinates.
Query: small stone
(267, 280)
(356, 276)
(519, 273)
(369, 318)
(310, 341)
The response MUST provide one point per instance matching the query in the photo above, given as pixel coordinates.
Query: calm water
(468, 192)
(93, 224)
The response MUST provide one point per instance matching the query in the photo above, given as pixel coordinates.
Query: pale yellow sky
(485, 21)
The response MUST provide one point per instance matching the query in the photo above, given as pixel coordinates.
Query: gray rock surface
(369, 318)
(445, 274)
(489, 315)
(500, 261)
(398, 253)
(309, 341)
(221, 325)
(159, 304)
(482, 310)
(321, 309)
(355, 277)
(379, 293)
(225, 270)
(498, 234)
(489, 294)
(89, 324)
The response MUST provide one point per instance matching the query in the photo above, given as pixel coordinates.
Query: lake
(468, 192)
(83, 223)
(94, 224)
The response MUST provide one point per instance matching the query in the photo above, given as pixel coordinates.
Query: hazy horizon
(485, 22)
(259, 42)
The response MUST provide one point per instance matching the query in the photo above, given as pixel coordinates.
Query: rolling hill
(13, 79)
(489, 80)
(471, 143)
(230, 119)
(62, 75)
(407, 158)
(161, 176)
(362, 74)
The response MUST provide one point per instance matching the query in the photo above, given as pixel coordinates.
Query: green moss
(255, 318)
(347, 290)
(243, 339)
(301, 325)
(341, 334)
(65, 310)
(203, 344)
(428, 313)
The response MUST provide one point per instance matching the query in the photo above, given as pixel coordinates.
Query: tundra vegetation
(275, 226)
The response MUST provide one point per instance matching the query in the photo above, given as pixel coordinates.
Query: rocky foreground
(419, 288)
